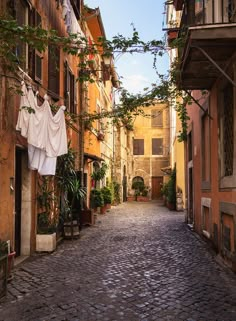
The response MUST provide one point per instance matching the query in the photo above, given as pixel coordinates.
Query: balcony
(209, 30)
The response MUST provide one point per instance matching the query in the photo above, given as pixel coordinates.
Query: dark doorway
(157, 183)
(124, 183)
(190, 196)
(18, 200)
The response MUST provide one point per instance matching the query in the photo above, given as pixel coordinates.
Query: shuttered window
(138, 146)
(35, 57)
(21, 15)
(69, 85)
(157, 146)
(157, 118)
(53, 71)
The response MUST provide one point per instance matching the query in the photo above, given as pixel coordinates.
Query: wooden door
(18, 199)
(156, 187)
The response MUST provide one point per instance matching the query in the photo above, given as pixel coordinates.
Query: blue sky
(147, 17)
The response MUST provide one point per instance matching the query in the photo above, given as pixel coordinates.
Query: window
(190, 147)
(105, 73)
(157, 146)
(21, 15)
(157, 118)
(227, 138)
(69, 89)
(35, 57)
(138, 146)
(53, 71)
(228, 130)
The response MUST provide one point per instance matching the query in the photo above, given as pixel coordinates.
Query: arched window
(137, 179)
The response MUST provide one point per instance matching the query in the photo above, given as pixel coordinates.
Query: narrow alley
(140, 262)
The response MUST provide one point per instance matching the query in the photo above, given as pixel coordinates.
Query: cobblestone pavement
(140, 263)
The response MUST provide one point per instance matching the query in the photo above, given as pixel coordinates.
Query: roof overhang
(178, 4)
(218, 42)
(94, 20)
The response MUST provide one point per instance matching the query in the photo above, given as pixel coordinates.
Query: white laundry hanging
(45, 133)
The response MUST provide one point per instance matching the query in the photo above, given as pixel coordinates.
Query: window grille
(228, 131)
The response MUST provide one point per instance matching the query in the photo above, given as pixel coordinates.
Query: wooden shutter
(35, 57)
(69, 89)
(138, 146)
(157, 118)
(53, 71)
(157, 146)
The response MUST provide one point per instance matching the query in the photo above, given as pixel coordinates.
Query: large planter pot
(71, 229)
(46, 242)
(130, 198)
(108, 206)
(3, 275)
(141, 198)
(103, 209)
(170, 206)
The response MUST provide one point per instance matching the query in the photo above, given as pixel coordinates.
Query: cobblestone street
(139, 263)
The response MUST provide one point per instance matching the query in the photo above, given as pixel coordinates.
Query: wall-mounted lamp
(107, 58)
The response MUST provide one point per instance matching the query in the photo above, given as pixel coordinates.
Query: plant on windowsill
(88, 124)
(100, 136)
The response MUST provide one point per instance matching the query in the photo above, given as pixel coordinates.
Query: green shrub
(139, 187)
(96, 198)
(107, 195)
(171, 193)
(3, 248)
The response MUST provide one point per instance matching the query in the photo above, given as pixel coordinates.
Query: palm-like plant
(68, 183)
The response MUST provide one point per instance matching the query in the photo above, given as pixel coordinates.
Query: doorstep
(20, 259)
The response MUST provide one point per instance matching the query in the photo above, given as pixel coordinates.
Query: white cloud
(135, 83)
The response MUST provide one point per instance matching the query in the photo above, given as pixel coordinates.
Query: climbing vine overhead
(164, 90)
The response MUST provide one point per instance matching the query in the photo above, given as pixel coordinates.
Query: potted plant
(138, 187)
(171, 192)
(3, 267)
(96, 199)
(164, 192)
(100, 135)
(99, 173)
(46, 220)
(144, 195)
(107, 196)
(115, 189)
(72, 193)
